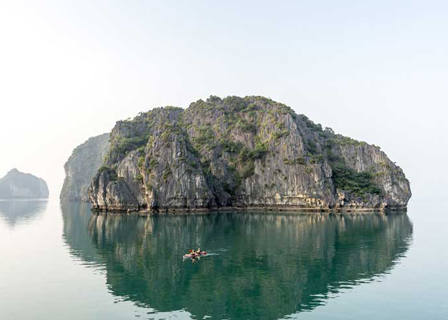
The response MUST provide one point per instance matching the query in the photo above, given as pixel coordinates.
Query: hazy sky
(373, 70)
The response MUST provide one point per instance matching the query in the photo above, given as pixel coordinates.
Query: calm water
(62, 262)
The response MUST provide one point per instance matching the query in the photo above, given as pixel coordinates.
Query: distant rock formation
(17, 184)
(237, 152)
(82, 166)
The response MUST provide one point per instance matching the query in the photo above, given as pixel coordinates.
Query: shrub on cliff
(358, 183)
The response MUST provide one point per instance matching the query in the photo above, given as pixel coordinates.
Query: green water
(63, 262)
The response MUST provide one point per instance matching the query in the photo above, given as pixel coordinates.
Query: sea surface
(60, 261)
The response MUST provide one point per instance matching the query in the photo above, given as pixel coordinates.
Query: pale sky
(376, 71)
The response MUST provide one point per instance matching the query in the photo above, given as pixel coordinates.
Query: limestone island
(16, 184)
(241, 153)
(82, 166)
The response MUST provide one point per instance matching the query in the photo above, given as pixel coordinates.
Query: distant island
(238, 152)
(82, 166)
(16, 184)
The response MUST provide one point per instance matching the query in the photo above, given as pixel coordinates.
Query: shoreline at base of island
(271, 209)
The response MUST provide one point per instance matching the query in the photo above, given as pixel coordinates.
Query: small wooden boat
(195, 254)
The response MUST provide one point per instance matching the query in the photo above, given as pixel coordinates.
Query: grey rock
(241, 152)
(82, 166)
(16, 184)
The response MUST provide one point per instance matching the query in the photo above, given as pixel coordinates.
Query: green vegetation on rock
(112, 174)
(358, 183)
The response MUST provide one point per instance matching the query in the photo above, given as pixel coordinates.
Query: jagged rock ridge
(16, 184)
(241, 152)
(82, 166)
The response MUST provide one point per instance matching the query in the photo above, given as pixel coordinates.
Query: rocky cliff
(241, 152)
(82, 166)
(17, 184)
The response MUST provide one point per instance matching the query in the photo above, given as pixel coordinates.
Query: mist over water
(374, 71)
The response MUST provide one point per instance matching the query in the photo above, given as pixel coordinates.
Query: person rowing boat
(195, 254)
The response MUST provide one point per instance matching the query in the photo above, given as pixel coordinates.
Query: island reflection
(262, 265)
(16, 211)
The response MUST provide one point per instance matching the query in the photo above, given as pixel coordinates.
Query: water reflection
(76, 216)
(262, 266)
(14, 212)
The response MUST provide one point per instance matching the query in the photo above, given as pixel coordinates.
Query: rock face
(241, 152)
(17, 184)
(82, 166)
